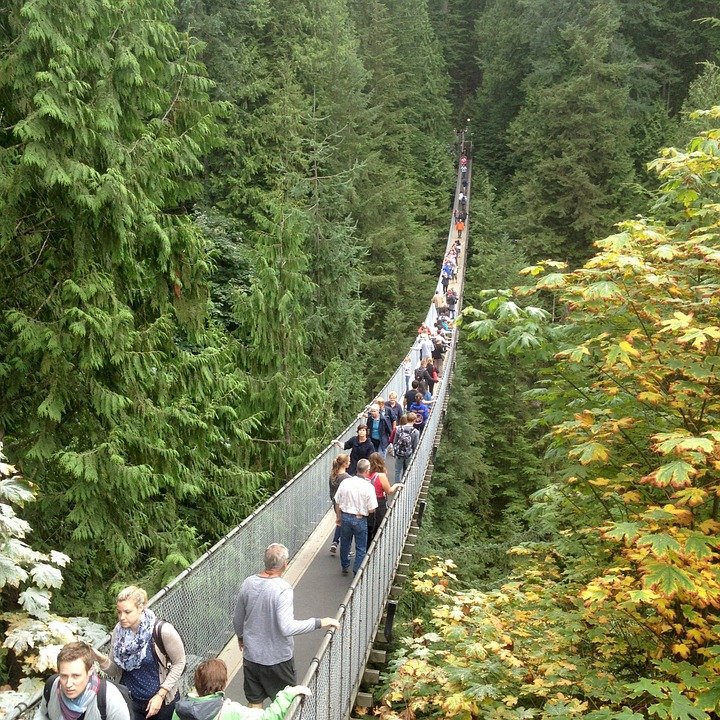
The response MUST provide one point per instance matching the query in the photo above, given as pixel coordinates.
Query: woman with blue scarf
(147, 656)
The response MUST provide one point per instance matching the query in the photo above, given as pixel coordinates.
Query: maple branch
(705, 400)
(639, 450)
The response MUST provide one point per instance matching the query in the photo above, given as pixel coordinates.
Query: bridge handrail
(336, 672)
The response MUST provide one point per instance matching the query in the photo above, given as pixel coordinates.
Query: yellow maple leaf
(626, 347)
(681, 649)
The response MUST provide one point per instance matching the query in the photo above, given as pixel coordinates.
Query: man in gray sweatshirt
(265, 623)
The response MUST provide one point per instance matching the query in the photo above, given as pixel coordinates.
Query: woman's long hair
(377, 464)
(341, 461)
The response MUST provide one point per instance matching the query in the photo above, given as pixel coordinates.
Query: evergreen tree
(294, 139)
(570, 138)
(454, 25)
(704, 92)
(504, 61)
(670, 43)
(117, 399)
(327, 123)
(288, 397)
(401, 190)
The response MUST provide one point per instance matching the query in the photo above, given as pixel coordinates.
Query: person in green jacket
(210, 702)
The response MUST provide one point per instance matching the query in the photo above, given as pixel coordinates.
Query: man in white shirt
(354, 501)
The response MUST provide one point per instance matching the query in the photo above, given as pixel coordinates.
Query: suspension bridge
(336, 665)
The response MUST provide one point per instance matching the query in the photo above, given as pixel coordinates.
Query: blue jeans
(353, 527)
(401, 465)
(336, 534)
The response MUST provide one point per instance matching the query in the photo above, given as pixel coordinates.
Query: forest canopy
(217, 227)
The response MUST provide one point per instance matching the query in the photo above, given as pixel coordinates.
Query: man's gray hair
(363, 466)
(276, 557)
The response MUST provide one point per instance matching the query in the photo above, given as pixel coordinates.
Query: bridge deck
(320, 588)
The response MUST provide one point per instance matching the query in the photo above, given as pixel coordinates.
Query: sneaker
(344, 571)
(351, 554)
(333, 548)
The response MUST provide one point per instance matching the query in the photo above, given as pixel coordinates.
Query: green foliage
(337, 119)
(574, 99)
(486, 466)
(613, 613)
(454, 24)
(287, 397)
(670, 41)
(32, 635)
(123, 404)
(504, 60)
(577, 105)
(704, 92)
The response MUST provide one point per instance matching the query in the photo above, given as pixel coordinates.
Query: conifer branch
(37, 259)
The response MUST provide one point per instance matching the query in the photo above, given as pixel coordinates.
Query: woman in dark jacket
(359, 446)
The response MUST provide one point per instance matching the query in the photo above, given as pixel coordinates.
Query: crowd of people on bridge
(147, 655)
(358, 482)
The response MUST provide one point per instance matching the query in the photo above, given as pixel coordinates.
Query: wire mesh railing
(335, 676)
(200, 601)
(336, 673)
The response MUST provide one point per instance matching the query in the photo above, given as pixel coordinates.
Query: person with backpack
(404, 444)
(78, 691)
(424, 378)
(147, 656)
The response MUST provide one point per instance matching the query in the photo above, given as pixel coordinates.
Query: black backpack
(101, 696)
(403, 445)
(157, 640)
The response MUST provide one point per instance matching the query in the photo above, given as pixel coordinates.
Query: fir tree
(118, 400)
(570, 138)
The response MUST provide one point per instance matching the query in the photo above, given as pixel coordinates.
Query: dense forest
(217, 226)
(571, 537)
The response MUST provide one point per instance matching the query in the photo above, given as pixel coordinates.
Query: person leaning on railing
(264, 622)
(210, 702)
